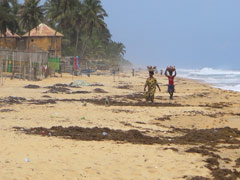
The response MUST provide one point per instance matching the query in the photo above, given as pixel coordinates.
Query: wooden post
(24, 70)
(20, 70)
(12, 66)
(2, 74)
(30, 67)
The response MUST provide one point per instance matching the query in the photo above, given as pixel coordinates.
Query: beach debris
(96, 84)
(237, 162)
(55, 115)
(61, 85)
(125, 87)
(79, 83)
(6, 110)
(79, 92)
(99, 90)
(83, 118)
(58, 89)
(46, 96)
(32, 86)
(12, 100)
(107, 102)
(27, 160)
(42, 132)
(97, 134)
(42, 102)
(105, 133)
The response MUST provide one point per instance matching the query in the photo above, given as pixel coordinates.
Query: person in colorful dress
(151, 83)
(169, 73)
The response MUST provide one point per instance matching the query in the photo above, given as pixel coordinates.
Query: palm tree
(93, 19)
(76, 20)
(31, 16)
(60, 13)
(7, 18)
(94, 15)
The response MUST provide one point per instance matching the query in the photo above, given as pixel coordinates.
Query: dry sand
(195, 106)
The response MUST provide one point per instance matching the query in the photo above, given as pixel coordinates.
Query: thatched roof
(43, 31)
(9, 34)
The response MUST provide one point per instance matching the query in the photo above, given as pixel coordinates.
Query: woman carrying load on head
(171, 73)
(151, 83)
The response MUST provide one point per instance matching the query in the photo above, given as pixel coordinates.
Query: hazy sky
(185, 33)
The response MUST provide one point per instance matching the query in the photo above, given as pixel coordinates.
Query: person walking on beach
(151, 83)
(169, 73)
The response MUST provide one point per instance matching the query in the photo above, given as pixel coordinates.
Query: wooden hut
(44, 38)
(9, 40)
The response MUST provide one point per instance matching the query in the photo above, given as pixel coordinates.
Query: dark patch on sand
(173, 149)
(225, 135)
(213, 165)
(96, 85)
(202, 151)
(79, 92)
(138, 122)
(95, 134)
(99, 90)
(164, 118)
(42, 102)
(61, 88)
(46, 96)
(124, 87)
(237, 162)
(198, 178)
(219, 105)
(227, 160)
(12, 100)
(32, 86)
(114, 102)
(61, 85)
(121, 110)
(57, 89)
(7, 110)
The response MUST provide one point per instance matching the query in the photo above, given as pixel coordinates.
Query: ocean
(224, 79)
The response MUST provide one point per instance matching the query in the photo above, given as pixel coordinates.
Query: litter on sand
(79, 83)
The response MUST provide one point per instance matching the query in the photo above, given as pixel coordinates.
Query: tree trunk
(77, 42)
(28, 43)
(55, 37)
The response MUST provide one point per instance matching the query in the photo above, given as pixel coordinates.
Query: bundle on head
(152, 69)
(171, 68)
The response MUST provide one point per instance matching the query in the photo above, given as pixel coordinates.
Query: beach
(194, 136)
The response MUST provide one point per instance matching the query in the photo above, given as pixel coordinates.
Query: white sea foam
(224, 79)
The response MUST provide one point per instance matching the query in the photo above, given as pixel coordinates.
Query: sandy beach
(195, 136)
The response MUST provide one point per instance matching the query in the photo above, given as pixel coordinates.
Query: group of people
(151, 82)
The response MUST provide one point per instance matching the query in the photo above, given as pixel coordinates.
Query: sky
(184, 33)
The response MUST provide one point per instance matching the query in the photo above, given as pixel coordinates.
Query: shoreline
(209, 84)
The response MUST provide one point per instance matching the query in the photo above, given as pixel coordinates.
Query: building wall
(46, 44)
(10, 43)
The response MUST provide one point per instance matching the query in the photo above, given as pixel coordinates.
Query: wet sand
(70, 133)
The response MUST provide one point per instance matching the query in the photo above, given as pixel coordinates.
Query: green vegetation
(81, 21)
(8, 19)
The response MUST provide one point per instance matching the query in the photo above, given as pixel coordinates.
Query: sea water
(224, 79)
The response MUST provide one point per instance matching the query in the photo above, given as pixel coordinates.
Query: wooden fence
(24, 65)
